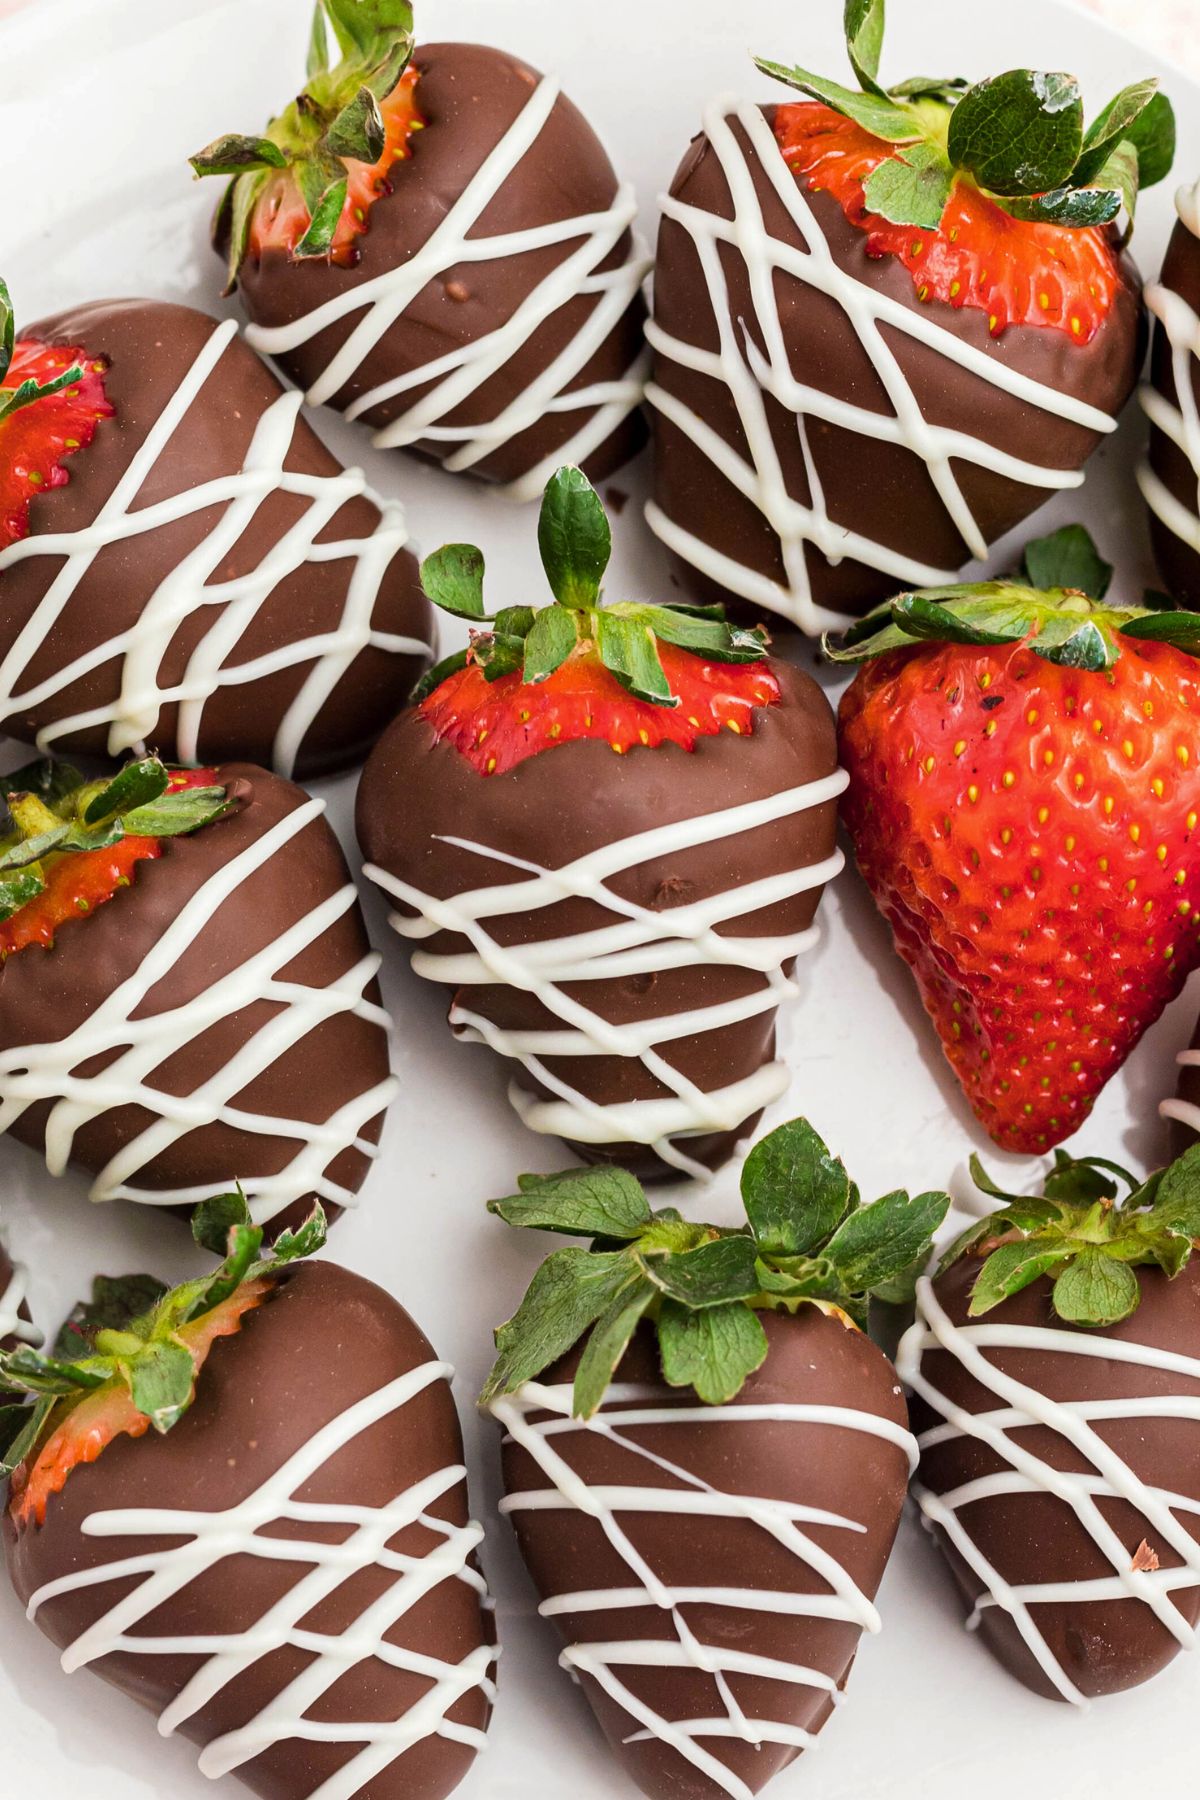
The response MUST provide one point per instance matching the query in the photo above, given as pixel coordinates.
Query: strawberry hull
(880, 522)
(1082, 1477)
(690, 1689)
(329, 1395)
(336, 643)
(569, 987)
(474, 100)
(267, 1059)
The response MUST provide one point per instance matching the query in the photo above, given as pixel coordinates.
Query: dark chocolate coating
(1104, 1646)
(1178, 562)
(45, 995)
(149, 346)
(882, 491)
(814, 1360)
(570, 800)
(327, 1339)
(469, 95)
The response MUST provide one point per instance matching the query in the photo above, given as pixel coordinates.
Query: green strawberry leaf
(20, 1429)
(880, 1243)
(117, 1304)
(572, 1289)
(714, 1351)
(324, 219)
(137, 785)
(358, 131)
(1097, 1290)
(453, 579)
(18, 887)
(1112, 125)
(245, 1242)
(1176, 1208)
(29, 1371)
(629, 650)
(318, 45)
(442, 671)
(796, 1193)
(877, 114)
(590, 1202)
(607, 1343)
(1011, 1268)
(1081, 1181)
(865, 22)
(49, 780)
(913, 187)
(177, 813)
(709, 635)
(1069, 560)
(234, 155)
(1182, 629)
(1020, 133)
(1154, 136)
(161, 1383)
(574, 538)
(362, 26)
(551, 640)
(214, 1220)
(303, 1241)
(497, 655)
(711, 1275)
(515, 621)
(8, 329)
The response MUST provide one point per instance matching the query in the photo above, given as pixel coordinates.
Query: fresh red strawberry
(635, 976)
(51, 400)
(1024, 796)
(705, 1455)
(75, 844)
(242, 1502)
(1017, 271)
(1055, 1368)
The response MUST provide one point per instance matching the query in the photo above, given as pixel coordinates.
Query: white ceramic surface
(111, 96)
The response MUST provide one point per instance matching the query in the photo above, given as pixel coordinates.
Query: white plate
(104, 100)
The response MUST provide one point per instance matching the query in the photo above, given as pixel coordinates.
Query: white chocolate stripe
(13, 1295)
(460, 373)
(749, 375)
(626, 1409)
(1180, 422)
(234, 605)
(1108, 1477)
(50, 1071)
(211, 1537)
(643, 942)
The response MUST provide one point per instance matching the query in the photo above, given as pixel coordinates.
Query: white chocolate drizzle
(1179, 422)
(627, 1411)
(752, 375)
(143, 1041)
(230, 606)
(1107, 1475)
(461, 372)
(13, 1295)
(202, 1540)
(639, 942)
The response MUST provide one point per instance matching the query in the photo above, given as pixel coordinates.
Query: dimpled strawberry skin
(1029, 832)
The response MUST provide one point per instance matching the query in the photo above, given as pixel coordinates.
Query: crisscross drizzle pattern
(638, 942)
(754, 374)
(461, 372)
(1179, 422)
(231, 606)
(538, 1417)
(50, 1071)
(203, 1539)
(1107, 1475)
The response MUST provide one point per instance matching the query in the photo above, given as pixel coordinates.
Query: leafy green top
(576, 545)
(336, 116)
(130, 1332)
(12, 399)
(52, 809)
(808, 1240)
(1020, 137)
(1055, 606)
(1082, 1237)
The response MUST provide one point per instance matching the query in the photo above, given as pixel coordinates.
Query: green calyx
(1083, 1236)
(1020, 137)
(1055, 606)
(12, 399)
(808, 1241)
(576, 546)
(335, 118)
(53, 811)
(130, 1333)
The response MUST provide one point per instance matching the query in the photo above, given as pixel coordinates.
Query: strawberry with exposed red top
(1024, 796)
(607, 828)
(889, 323)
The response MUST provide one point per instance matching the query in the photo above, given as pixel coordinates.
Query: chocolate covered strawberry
(705, 1457)
(242, 1502)
(1056, 1364)
(186, 988)
(434, 241)
(1170, 477)
(888, 324)
(608, 828)
(1024, 793)
(182, 562)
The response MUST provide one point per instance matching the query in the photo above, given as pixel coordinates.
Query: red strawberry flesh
(37, 439)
